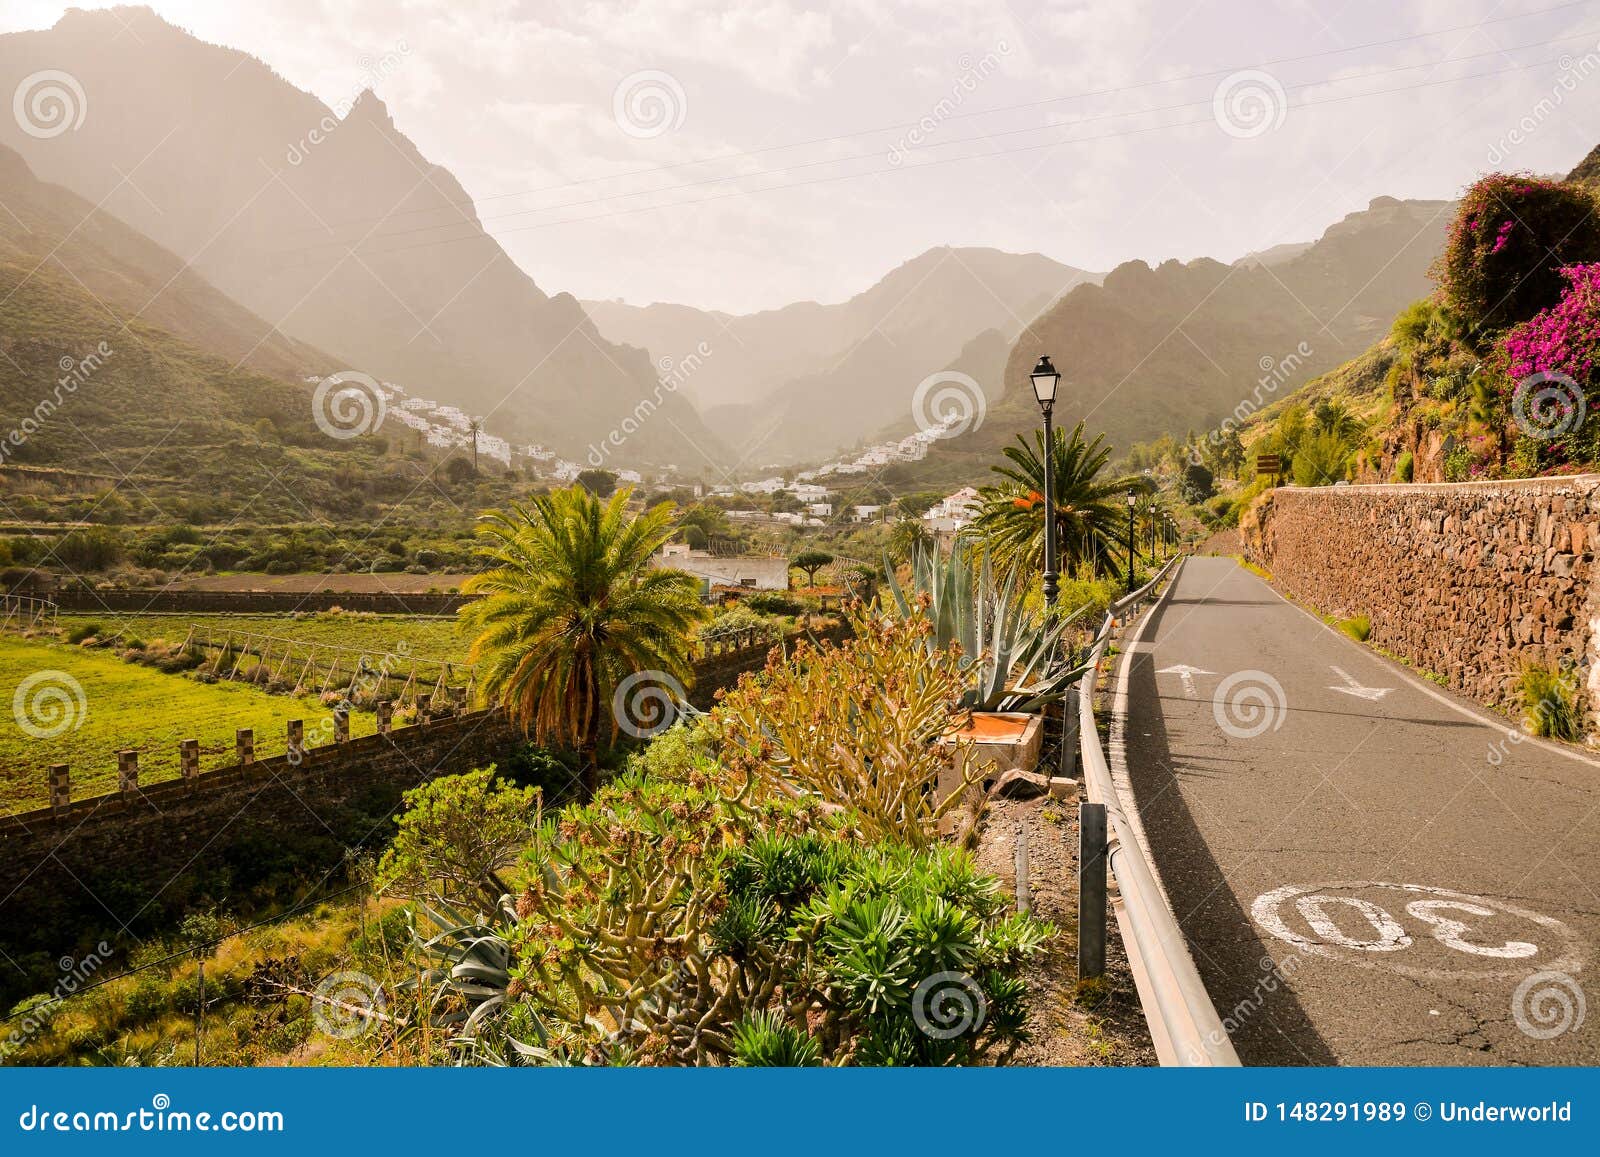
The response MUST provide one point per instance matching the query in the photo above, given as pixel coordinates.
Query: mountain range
(807, 380)
(334, 230)
(206, 196)
(1180, 347)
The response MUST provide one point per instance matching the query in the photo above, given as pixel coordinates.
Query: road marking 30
(1347, 922)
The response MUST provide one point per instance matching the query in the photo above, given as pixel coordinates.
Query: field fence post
(244, 742)
(297, 739)
(127, 771)
(60, 787)
(385, 712)
(189, 761)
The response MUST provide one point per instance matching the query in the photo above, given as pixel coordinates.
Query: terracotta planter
(993, 742)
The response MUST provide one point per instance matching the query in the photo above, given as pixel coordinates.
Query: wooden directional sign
(1268, 464)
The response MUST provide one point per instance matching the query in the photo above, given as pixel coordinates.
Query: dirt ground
(1102, 1025)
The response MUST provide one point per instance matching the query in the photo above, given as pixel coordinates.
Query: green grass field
(422, 636)
(124, 705)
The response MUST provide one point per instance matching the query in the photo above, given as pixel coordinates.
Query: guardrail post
(127, 771)
(189, 760)
(60, 787)
(1091, 890)
(1068, 765)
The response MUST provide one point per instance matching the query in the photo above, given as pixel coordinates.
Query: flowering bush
(1564, 338)
(1507, 245)
(1562, 346)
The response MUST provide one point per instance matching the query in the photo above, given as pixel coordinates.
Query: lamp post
(1133, 502)
(1045, 380)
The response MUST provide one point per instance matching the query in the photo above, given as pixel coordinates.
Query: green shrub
(1550, 703)
(1320, 460)
(1403, 467)
(84, 631)
(774, 603)
(1358, 627)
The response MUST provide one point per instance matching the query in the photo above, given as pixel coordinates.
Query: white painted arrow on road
(1186, 673)
(1351, 687)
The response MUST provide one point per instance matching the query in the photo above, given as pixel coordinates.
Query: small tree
(1197, 484)
(811, 561)
(456, 834)
(459, 470)
(600, 483)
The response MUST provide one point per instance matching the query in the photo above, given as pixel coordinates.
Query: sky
(741, 156)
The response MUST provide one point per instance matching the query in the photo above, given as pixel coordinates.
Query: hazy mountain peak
(357, 244)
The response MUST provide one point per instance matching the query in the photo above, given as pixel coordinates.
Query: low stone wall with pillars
(1471, 580)
(118, 860)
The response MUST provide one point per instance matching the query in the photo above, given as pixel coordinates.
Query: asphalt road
(1366, 873)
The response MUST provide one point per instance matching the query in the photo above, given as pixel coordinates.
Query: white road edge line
(1117, 747)
(1499, 726)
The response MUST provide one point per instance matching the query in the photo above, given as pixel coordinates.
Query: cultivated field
(124, 705)
(420, 636)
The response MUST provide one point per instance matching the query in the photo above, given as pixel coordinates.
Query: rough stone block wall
(256, 602)
(1471, 581)
(117, 867)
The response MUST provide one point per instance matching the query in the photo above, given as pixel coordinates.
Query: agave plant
(464, 971)
(1013, 657)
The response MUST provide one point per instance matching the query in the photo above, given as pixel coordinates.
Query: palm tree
(1331, 417)
(908, 536)
(572, 607)
(1089, 510)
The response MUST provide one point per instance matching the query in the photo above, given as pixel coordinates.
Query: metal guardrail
(1183, 1022)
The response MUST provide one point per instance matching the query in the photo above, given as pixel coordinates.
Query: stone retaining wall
(119, 864)
(256, 602)
(1471, 581)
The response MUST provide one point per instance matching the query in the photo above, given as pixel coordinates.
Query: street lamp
(1133, 502)
(1045, 380)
